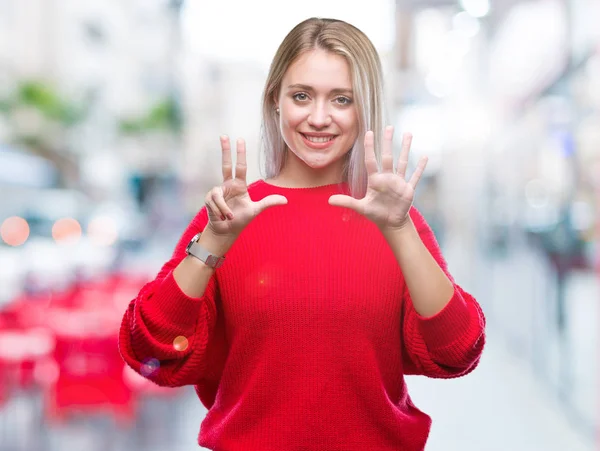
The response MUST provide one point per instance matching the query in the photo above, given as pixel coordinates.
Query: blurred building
(220, 98)
(115, 61)
(504, 98)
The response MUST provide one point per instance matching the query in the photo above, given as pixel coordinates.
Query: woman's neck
(285, 182)
(296, 174)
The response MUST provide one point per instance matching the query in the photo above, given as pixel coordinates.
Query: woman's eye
(343, 100)
(301, 96)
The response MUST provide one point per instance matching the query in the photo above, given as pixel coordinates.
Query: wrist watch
(194, 249)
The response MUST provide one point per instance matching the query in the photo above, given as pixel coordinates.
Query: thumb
(271, 201)
(342, 200)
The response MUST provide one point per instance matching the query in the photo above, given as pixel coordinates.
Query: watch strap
(196, 250)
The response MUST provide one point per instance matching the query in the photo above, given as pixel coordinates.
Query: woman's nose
(319, 116)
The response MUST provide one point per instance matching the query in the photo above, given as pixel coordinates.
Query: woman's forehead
(319, 70)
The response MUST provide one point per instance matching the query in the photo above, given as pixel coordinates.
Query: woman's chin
(317, 163)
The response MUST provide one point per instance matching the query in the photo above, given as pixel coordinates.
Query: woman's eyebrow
(310, 88)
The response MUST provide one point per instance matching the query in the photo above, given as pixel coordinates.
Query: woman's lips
(318, 144)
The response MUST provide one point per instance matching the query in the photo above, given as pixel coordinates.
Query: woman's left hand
(389, 196)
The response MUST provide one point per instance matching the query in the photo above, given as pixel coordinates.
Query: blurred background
(110, 114)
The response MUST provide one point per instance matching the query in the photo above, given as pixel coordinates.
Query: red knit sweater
(302, 338)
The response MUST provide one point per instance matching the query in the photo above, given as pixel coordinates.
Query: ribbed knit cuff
(174, 306)
(452, 323)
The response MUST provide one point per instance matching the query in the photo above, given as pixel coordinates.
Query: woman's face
(318, 117)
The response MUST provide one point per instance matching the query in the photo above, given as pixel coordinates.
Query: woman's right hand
(229, 206)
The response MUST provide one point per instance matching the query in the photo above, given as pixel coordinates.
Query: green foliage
(163, 116)
(44, 98)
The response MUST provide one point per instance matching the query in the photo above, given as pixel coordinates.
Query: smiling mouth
(319, 139)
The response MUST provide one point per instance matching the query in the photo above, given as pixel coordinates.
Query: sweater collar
(330, 189)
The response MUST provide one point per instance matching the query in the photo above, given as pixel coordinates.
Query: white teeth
(319, 139)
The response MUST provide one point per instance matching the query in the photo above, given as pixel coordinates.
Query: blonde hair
(342, 39)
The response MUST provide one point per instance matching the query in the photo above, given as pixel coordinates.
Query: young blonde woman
(295, 305)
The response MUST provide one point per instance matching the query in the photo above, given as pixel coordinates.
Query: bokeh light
(66, 230)
(102, 230)
(476, 8)
(149, 367)
(180, 343)
(14, 231)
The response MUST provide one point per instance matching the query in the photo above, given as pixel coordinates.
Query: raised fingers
(418, 172)
(387, 156)
(227, 165)
(403, 159)
(240, 164)
(370, 161)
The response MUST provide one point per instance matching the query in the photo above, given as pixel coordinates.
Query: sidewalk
(498, 407)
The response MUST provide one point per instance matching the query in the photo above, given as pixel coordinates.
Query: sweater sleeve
(448, 344)
(164, 333)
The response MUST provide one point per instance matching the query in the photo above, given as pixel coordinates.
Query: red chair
(90, 368)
